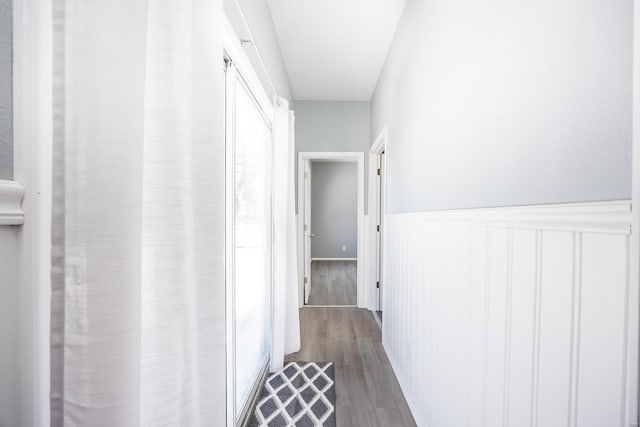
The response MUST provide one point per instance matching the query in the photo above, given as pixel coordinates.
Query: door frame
(377, 148)
(346, 156)
(306, 233)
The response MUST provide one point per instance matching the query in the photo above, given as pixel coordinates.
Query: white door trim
(306, 233)
(379, 145)
(346, 156)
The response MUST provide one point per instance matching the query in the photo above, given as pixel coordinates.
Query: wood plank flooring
(367, 391)
(333, 283)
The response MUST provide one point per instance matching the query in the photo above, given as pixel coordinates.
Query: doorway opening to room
(331, 201)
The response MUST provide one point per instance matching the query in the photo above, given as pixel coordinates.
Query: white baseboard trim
(334, 259)
(11, 195)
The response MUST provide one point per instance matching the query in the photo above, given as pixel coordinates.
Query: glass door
(249, 239)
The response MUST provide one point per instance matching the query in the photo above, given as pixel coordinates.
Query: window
(250, 158)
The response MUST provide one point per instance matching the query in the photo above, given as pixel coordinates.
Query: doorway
(331, 202)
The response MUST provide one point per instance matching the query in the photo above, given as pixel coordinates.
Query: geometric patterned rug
(302, 394)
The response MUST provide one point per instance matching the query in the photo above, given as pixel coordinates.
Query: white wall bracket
(11, 195)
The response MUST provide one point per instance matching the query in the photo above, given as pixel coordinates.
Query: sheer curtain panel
(138, 222)
(286, 321)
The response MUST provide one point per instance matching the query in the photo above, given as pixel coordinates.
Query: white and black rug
(302, 394)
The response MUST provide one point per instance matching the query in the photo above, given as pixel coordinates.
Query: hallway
(367, 391)
(429, 209)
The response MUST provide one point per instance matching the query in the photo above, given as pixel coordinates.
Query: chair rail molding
(11, 195)
(598, 217)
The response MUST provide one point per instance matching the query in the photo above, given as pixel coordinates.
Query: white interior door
(307, 230)
(381, 212)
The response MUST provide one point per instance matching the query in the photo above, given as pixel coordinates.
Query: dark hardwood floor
(367, 391)
(333, 283)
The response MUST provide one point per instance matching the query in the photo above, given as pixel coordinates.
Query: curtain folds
(292, 331)
(138, 214)
(286, 322)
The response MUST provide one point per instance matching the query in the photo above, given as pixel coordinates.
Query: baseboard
(334, 259)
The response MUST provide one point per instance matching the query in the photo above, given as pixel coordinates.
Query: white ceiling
(335, 49)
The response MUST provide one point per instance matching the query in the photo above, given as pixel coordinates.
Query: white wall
(494, 103)
(512, 317)
(334, 209)
(10, 328)
(258, 16)
(333, 126)
(6, 85)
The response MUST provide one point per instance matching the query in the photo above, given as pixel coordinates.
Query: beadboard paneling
(517, 319)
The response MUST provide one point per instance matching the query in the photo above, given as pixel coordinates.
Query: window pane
(253, 156)
(6, 92)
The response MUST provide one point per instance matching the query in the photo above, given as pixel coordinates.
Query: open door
(380, 230)
(307, 230)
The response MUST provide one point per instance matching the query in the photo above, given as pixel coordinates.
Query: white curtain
(292, 332)
(286, 322)
(138, 228)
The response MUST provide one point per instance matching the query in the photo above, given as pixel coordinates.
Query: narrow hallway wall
(497, 314)
(496, 104)
(258, 16)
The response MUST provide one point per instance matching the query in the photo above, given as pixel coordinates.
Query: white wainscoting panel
(517, 318)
